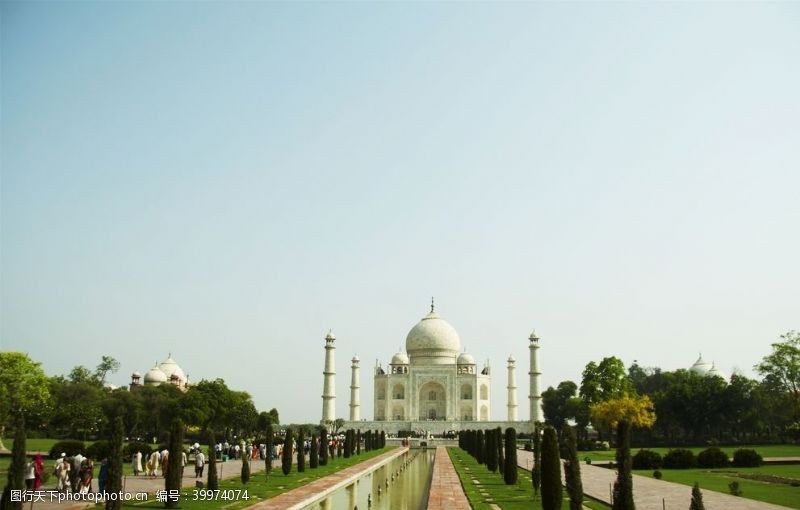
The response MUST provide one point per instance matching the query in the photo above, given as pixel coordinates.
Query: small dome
(700, 367)
(355, 359)
(110, 386)
(136, 374)
(466, 358)
(171, 368)
(330, 336)
(400, 358)
(155, 376)
(715, 372)
(434, 340)
(511, 360)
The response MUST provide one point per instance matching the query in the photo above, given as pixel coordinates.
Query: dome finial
(432, 307)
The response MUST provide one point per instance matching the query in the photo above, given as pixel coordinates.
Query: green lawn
(259, 488)
(718, 480)
(776, 450)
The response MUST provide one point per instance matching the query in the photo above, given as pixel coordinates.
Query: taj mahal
(432, 386)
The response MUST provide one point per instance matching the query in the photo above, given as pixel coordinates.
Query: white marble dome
(155, 376)
(171, 368)
(700, 367)
(716, 372)
(400, 358)
(433, 340)
(466, 358)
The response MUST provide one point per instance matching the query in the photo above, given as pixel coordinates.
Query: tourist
(183, 462)
(30, 475)
(102, 477)
(62, 474)
(164, 463)
(152, 463)
(199, 463)
(85, 475)
(38, 471)
(137, 463)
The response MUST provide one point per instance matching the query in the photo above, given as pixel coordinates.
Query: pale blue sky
(227, 181)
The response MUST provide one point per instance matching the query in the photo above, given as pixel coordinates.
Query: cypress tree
(172, 480)
(697, 498)
(536, 472)
(491, 450)
(551, 471)
(383, 439)
(481, 448)
(623, 487)
(323, 450)
(572, 470)
(313, 459)
(510, 471)
(301, 451)
(114, 484)
(347, 444)
(213, 482)
(358, 442)
(339, 448)
(245, 468)
(501, 460)
(286, 455)
(16, 471)
(268, 446)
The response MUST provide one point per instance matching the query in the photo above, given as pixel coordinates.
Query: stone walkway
(446, 492)
(652, 494)
(301, 496)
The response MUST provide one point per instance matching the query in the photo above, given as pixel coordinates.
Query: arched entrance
(432, 402)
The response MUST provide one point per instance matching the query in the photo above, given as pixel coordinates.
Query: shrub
(129, 449)
(99, 450)
(697, 498)
(510, 468)
(734, 489)
(647, 459)
(712, 457)
(744, 457)
(551, 471)
(657, 474)
(68, 446)
(679, 458)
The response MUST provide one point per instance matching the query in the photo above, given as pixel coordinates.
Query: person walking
(199, 464)
(137, 463)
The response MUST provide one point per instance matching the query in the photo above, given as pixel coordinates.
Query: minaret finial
(432, 307)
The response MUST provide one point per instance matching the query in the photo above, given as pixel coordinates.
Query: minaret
(329, 389)
(354, 400)
(512, 390)
(535, 396)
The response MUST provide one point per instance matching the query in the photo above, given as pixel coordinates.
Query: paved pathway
(299, 497)
(649, 492)
(446, 491)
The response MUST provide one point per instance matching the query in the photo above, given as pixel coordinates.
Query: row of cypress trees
(494, 449)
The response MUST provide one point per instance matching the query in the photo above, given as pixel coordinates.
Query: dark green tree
(172, 480)
(480, 450)
(572, 469)
(313, 459)
(245, 474)
(510, 471)
(301, 451)
(383, 439)
(551, 471)
(286, 456)
(323, 451)
(697, 498)
(269, 445)
(16, 471)
(536, 472)
(491, 450)
(358, 442)
(212, 482)
(114, 485)
(623, 487)
(347, 444)
(501, 460)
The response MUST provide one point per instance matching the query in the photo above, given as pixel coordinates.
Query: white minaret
(535, 395)
(512, 390)
(354, 400)
(329, 389)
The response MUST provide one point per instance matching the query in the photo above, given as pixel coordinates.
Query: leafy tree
(245, 468)
(301, 451)
(781, 368)
(559, 404)
(536, 471)
(481, 448)
(510, 469)
(174, 475)
(491, 450)
(23, 386)
(269, 442)
(501, 461)
(604, 381)
(697, 498)
(551, 471)
(286, 456)
(213, 481)
(323, 452)
(313, 459)
(107, 365)
(114, 484)
(572, 470)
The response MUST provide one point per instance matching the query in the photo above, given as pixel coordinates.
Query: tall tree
(107, 365)
(286, 455)
(269, 443)
(313, 459)
(536, 472)
(551, 471)
(510, 470)
(174, 475)
(481, 448)
(491, 450)
(697, 498)
(572, 470)
(213, 482)
(501, 459)
(781, 368)
(114, 485)
(323, 452)
(23, 386)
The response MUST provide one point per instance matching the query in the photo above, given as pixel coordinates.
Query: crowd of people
(73, 474)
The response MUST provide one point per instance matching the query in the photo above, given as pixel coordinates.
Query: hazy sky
(227, 181)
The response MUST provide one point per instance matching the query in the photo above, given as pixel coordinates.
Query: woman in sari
(38, 472)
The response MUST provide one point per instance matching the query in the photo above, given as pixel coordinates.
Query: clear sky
(227, 181)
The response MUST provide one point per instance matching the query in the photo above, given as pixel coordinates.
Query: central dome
(433, 340)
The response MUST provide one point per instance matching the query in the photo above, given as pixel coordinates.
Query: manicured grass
(259, 488)
(773, 450)
(718, 480)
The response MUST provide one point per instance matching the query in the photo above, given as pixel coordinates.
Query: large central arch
(432, 401)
